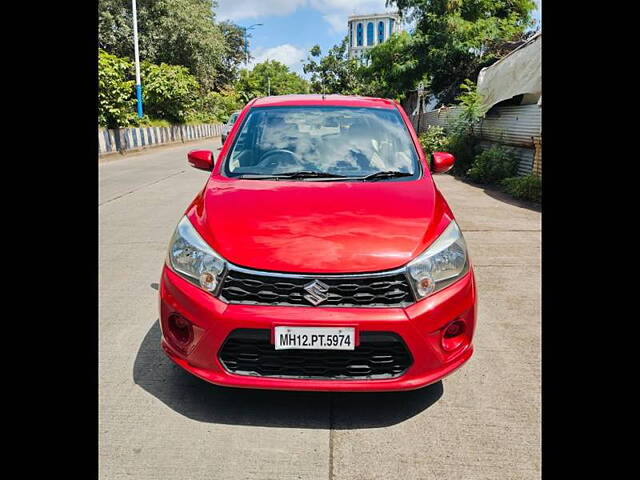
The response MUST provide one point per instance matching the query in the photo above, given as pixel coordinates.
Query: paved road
(157, 422)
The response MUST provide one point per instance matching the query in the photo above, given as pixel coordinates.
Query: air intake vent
(379, 355)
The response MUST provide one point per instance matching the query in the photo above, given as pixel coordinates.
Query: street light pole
(246, 50)
(137, 58)
(246, 43)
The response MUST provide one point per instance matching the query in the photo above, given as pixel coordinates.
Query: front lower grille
(376, 290)
(379, 355)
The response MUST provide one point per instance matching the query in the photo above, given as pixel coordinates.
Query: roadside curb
(111, 156)
(119, 140)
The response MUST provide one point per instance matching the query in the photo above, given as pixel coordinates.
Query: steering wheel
(266, 161)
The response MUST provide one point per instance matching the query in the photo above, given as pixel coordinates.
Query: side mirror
(202, 159)
(442, 162)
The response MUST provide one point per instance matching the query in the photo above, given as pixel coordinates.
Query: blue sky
(291, 27)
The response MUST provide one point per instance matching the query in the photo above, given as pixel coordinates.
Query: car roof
(328, 100)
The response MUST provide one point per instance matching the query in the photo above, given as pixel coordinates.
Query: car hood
(319, 227)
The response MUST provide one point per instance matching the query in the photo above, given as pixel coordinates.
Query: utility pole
(137, 58)
(420, 94)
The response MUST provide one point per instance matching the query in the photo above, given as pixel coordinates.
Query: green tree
(391, 68)
(335, 72)
(176, 32)
(217, 106)
(116, 104)
(234, 53)
(255, 83)
(169, 91)
(115, 27)
(454, 39)
(472, 109)
(462, 143)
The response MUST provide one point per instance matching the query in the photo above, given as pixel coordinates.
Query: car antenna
(323, 90)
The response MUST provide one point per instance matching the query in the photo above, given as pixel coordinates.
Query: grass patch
(528, 187)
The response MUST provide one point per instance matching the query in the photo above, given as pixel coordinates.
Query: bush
(116, 99)
(146, 121)
(471, 103)
(492, 165)
(528, 187)
(434, 139)
(459, 144)
(169, 92)
(462, 143)
(462, 147)
(170, 95)
(216, 106)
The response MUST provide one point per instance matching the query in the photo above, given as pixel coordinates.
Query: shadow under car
(199, 400)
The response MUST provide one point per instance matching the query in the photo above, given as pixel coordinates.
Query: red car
(319, 255)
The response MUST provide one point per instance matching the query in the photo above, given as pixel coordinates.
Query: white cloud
(351, 6)
(335, 12)
(238, 9)
(337, 22)
(288, 54)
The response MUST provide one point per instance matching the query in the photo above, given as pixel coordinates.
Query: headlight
(191, 257)
(441, 264)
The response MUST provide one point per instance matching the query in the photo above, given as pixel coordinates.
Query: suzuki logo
(317, 292)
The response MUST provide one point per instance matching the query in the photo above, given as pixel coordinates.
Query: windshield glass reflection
(344, 141)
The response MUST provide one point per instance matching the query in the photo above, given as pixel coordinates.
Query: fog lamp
(454, 329)
(180, 329)
(453, 336)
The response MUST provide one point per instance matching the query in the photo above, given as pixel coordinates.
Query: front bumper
(419, 325)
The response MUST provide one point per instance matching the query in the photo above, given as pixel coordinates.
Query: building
(366, 31)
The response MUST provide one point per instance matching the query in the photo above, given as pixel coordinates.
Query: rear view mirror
(442, 162)
(202, 159)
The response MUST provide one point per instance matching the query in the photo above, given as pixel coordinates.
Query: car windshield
(323, 141)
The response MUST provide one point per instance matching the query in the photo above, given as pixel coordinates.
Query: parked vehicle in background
(319, 255)
(226, 128)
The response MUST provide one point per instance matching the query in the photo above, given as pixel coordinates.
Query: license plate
(316, 338)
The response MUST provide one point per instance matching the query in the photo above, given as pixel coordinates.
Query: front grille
(377, 290)
(379, 355)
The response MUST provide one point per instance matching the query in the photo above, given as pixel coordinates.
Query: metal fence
(515, 126)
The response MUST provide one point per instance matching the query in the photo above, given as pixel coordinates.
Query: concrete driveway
(158, 422)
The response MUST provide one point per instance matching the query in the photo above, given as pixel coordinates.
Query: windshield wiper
(308, 174)
(385, 174)
(300, 174)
